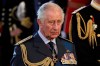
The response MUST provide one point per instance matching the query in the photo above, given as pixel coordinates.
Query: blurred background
(18, 20)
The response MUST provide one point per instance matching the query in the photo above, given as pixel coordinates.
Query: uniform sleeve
(17, 57)
(73, 34)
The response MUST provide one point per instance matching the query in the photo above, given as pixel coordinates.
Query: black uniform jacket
(87, 53)
(38, 51)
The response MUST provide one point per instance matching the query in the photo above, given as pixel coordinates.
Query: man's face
(51, 25)
(98, 1)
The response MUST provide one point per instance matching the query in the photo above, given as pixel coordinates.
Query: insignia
(54, 57)
(94, 26)
(23, 40)
(55, 60)
(26, 22)
(68, 58)
(75, 11)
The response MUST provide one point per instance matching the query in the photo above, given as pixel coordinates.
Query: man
(85, 34)
(6, 47)
(22, 21)
(72, 5)
(45, 48)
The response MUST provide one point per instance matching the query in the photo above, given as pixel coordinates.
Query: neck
(95, 5)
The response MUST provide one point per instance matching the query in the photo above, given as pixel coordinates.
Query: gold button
(98, 35)
(98, 61)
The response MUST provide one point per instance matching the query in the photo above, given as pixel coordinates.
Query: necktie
(51, 44)
(51, 47)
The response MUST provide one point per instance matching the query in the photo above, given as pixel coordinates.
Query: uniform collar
(95, 5)
(46, 41)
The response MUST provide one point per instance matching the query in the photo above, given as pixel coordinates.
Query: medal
(54, 57)
(68, 58)
(94, 26)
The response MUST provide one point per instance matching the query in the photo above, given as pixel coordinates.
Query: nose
(55, 25)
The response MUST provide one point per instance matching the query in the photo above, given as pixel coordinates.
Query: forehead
(53, 13)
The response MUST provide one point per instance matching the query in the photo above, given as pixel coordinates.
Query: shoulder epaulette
(65, 39)
(75, 11)
(23, 40)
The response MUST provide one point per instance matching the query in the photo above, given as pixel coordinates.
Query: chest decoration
(68, 58)
(94, 25)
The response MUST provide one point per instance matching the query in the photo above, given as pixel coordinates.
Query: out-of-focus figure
(23, 25)
(72, 5)
(85, 34)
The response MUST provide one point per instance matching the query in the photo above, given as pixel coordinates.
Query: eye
(51, 22)
(59, 21)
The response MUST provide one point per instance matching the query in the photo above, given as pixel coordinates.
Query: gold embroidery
(89, 30)
(46, 62)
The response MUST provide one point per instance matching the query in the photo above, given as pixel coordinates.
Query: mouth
(54, 33)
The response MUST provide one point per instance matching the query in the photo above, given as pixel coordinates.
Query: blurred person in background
(71, 6)
(84, 32)
(11, 28)
(6, 48)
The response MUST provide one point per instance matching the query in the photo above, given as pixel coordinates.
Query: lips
(54, 33)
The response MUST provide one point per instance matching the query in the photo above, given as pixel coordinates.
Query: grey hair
(41, 10)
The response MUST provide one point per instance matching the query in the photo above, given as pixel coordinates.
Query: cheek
(59, 28)
(46, 29)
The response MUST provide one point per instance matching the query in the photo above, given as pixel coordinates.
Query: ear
(39, 22)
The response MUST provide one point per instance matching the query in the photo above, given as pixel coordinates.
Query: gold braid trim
(12, 13)
(88, 32)
(70, 30)
(79, 28)
(46, 62)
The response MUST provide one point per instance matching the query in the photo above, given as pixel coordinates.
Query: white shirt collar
(46, 41)
(95, 5)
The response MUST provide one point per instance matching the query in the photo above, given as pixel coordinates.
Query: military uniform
(85, 34)
(6, 48)
(6, 39)
(32, 51)
(72, 5)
